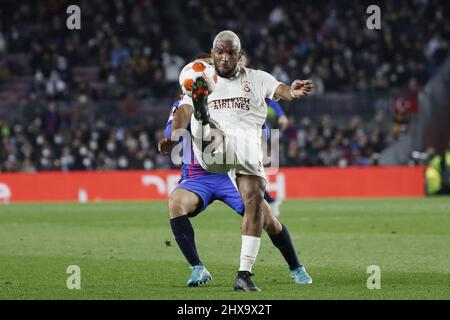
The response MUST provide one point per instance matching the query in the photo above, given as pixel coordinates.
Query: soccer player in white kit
(237, 108)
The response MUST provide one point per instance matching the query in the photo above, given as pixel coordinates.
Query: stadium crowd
(53, 139)
(134, 49)
(140, 46)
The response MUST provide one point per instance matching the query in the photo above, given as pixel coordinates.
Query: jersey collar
(237, 74)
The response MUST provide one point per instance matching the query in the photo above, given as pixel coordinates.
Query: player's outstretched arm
(181, 119)
(298, 88)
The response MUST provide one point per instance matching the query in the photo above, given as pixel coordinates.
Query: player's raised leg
(251, 189)
(280, 237)
(200, 121)
(199, 99)
(205, 132)
(181, 203)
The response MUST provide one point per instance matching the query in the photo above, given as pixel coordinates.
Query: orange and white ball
(195, 70)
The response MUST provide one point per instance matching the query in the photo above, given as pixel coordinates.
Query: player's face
(225, 57)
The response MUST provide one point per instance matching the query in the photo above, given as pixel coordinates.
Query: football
(195, 70)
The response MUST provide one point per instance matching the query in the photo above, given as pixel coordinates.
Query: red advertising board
(289, 183)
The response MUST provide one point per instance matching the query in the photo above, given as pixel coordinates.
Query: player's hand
(301, 88)
(165, 145)
(283, 122)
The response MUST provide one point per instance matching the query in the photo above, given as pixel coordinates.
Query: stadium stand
(97, 98)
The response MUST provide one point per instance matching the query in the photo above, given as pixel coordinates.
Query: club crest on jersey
(246, 86)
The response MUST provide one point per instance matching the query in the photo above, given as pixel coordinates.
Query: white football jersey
(237, 103)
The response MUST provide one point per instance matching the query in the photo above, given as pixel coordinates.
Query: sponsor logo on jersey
(232, 103)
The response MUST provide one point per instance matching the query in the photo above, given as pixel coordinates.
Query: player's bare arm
(298, 88)
(181, 119)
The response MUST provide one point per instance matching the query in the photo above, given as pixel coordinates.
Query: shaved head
(226, 36)
(226, 52)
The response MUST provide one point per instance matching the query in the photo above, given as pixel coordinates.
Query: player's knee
(176, 207)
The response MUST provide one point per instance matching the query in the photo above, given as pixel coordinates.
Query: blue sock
(185, 237)
(283, 242)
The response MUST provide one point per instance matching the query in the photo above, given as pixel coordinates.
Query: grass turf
(127, 251)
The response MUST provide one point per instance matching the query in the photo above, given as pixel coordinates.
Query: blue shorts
(214, 187)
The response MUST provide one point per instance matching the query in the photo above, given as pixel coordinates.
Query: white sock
(249, 251)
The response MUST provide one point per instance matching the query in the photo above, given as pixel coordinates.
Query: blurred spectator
(172, 63)
(402, 116)
(433, 171)
(130, 105)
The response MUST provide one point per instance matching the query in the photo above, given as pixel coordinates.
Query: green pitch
(127, 251)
